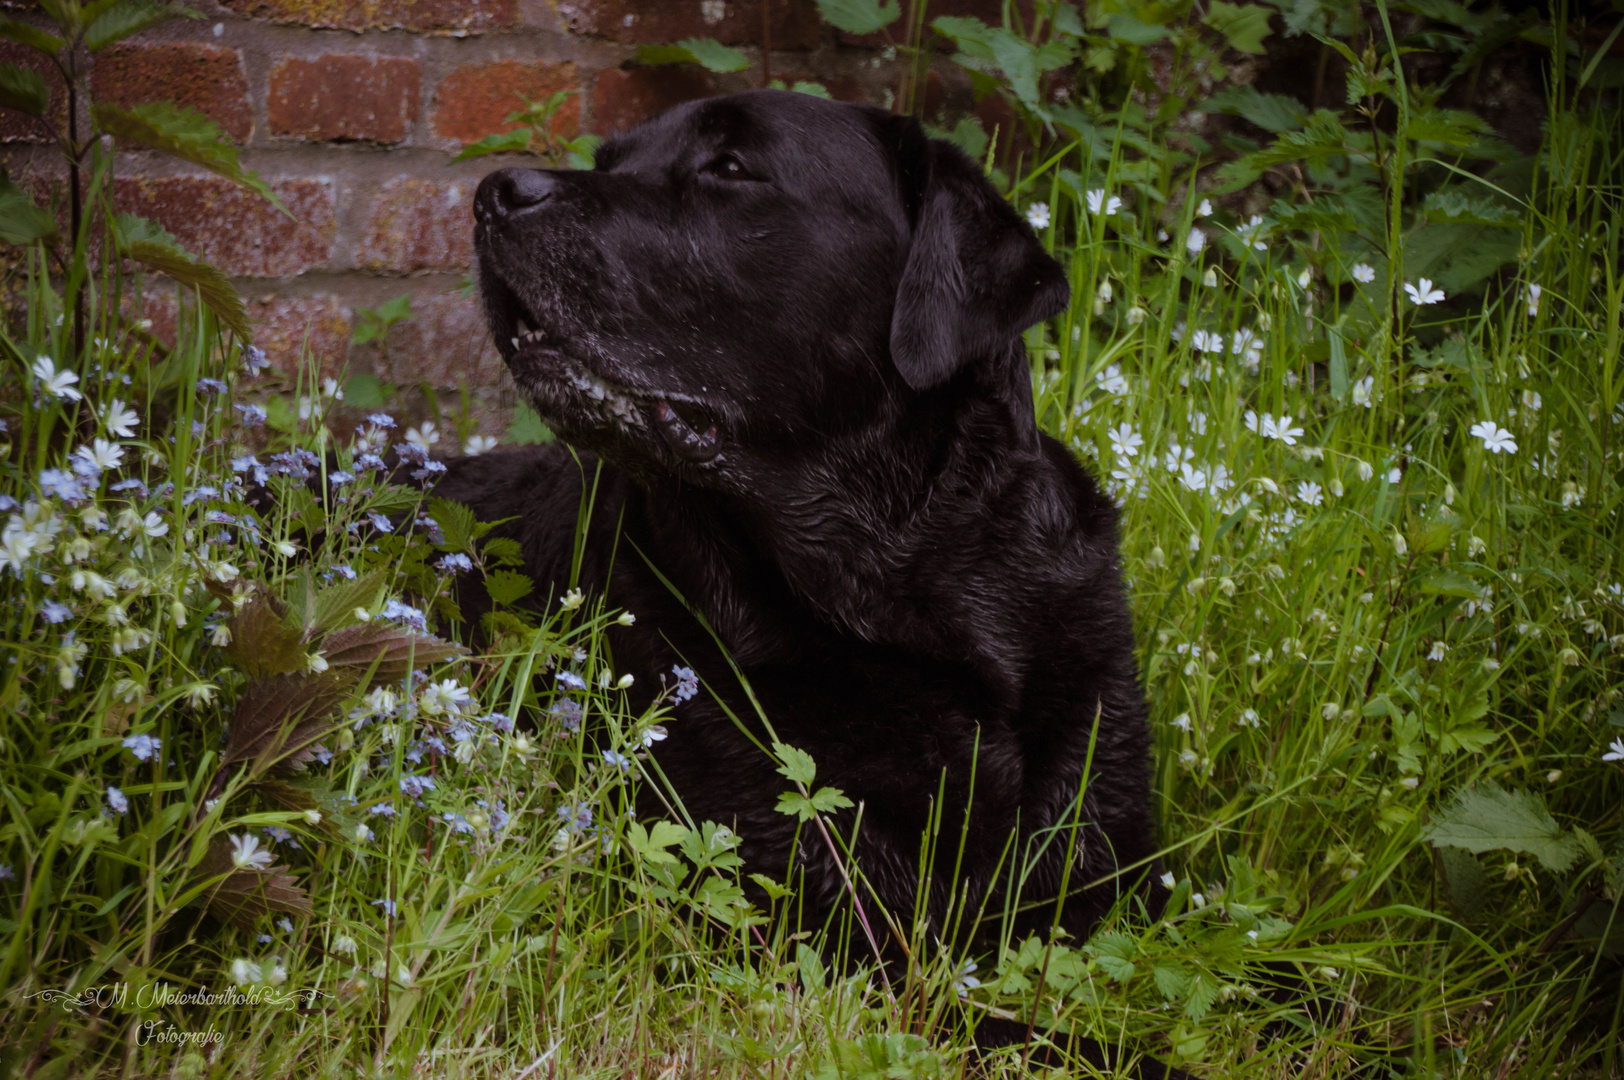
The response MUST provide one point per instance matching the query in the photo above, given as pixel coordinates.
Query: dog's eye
(729, 167)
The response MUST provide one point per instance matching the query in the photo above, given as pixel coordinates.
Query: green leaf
(1171, 980)
(157, 250)
(1124, 27)
(265, 640)
(23, 89)
(797, 805)
(1450, 583)
(706, 52)
(651, 845)
(1469, 737)
(1244, 26)
(797, 765)
(1489, 818)
(860, 16)
(773, 889)
(829, 799)
(366, 392)
(185, 133)
(456, 521)
(373, 323)
(1118, 969)
(516, 141)
(1339, 363)
(21, 222)
(526, 428)
(131, 17)
(508, 588)
(30, 35)
(335, 606)
(972, 36)
(1271, 112)
(1203, 993)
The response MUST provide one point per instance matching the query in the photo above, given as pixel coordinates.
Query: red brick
(417, 224)
(474, 101)
(344, 97)
(20, 127)
(235, 229)
(623, 99)
(446, 16)
(444, 343)
(794, 23)
(296, 330)
(207, 78)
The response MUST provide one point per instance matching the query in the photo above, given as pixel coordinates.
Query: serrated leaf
(706, 52)
(527, 428)
(1244, 26)
(826, 800)
(1490, 818)
(335, 605)
(1171, 981)
(185, 133)
(773, 889)
(23, 89)
(1271, 112)
(456, 521)
(1460, 208)
(131, 17)
(507, 587)
(21, 222)
(860, 16)
(264, 640)
(796, 804)
(278, 719)
(396, 651)
(245, 894)
(972, 36)
(1118, 969)
(1468, 737)
(213, 287)
(1450, 583)
(795, 764)
(651, 846)
(31, 35)
(1203, 993)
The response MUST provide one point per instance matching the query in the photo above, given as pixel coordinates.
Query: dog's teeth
(515, 343)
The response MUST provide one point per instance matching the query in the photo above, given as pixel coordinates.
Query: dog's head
(742, 276)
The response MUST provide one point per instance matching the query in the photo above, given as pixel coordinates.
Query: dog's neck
(891, 552)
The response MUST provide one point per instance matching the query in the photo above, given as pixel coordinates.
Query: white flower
(1496, 439)
(1252, 233)
(1422, 293)
(1195, 241)
(1205, 209)
(1305, 278)
(119, 420)
(1364, 272)
(245, 972)
(246, 852)
(1309, 492)
(1532, 401)
(58, 384)
(1615, 751)
(1364, 391)
(1037, 215)
(1168, 881)
(572, 600)
(1250, 718)
(445, 696)
(424, 436)
(1438, 651)
(478, 444)
(1099, 203)
(1532, 293)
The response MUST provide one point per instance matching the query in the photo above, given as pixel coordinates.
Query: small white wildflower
(424, 436)
(246, 852)
(1531, 293)
(1194, 242)
(1364, 273)
(572, 600)
(478, 444)
(1496, 439)
(1037, 215)
(1100, 203)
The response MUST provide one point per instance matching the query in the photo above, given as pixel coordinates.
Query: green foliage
(22, 222)
(185, 133)
(153, 247)
(537, 136)
(119, 21)
(23, 89)
(708, 53)
(372, 324)
(860, 16)
(1489, 818)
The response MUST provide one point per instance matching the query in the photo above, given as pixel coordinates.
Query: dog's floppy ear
(976, 275)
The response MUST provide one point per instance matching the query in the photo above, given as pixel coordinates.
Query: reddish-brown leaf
(395, 650)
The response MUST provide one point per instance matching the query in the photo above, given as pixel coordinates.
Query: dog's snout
(508, 190)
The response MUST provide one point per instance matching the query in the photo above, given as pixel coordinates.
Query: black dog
(790, 330)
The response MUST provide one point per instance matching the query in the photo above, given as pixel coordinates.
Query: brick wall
(351, 109)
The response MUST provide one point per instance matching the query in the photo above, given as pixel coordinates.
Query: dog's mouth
(561, 383)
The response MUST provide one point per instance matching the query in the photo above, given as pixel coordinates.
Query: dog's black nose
(507, 190)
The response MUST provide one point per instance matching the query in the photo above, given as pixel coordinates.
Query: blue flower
(61, 484)
(7, 873)
(571, 680)
(380, 522)
(278, 833)
(454, 562)
(116, 802)
(395, 611)
(687, 682)
(501, 722)
(430, 468)
(285, 924)
(568, 712)
(211, 386)
(339, 476)
(621, 760)
(387, 904)
(414, 786)
(142, 746)
(53, 612)
(8, 503)
(577, 817)
(458, 822)
(498, 813)
(380, 419)
(132, 484)
(411, 454)
(253, 360)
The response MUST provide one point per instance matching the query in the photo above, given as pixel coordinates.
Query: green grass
(1382, 662)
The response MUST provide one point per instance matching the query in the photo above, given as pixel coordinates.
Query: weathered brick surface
(20, 127)
(417, 224)
(296, 331)
(475, 100)
(624, 99)
(443, 16)
(207, 78)
(233, 228)
(445, 342)
(344, 97)
(794, 23)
